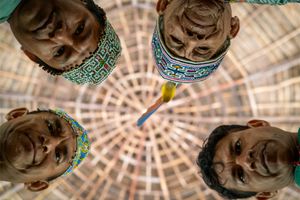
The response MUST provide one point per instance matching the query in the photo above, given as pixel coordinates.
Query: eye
(79, 29)
(240, 174)
(50, 126)
(202, 49)
(59, 52)
(238, 147)
(176, 40)
(200, 37)
(57, 156)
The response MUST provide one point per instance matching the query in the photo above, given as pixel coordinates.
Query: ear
(265, 195)
(257, 123)
(36, 186)
(234, 27)
(161, 6)
(30, 55)
(15, 113)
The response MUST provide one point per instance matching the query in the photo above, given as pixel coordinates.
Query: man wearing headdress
(72, 38)
(39, 146)
(192, 37)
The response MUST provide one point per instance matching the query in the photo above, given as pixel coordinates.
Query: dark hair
(205, 162)
(99, 14)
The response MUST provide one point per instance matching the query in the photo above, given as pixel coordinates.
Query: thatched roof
(259, 78)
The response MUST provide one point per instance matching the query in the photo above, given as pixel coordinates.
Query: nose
(49, 143)
(247, 160)
(189, 48)
(62, 36)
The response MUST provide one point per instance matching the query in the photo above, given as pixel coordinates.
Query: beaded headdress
(82, 141)
(101, 63)
(180, 70)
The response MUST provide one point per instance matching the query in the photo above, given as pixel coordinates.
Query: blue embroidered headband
(82, 143)
(95, 69)
(179, 70)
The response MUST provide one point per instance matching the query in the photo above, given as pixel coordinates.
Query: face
(36, 147)
(61, 33)
(256, 159)
(196, 29)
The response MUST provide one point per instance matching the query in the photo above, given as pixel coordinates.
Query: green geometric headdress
(82, 140)
(96, 68)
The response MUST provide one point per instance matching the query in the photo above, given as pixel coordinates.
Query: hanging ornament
(168, 91)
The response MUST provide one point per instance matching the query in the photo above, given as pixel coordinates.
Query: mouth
(197, 20)
(34, 149)
(201, 25)
(44, 23)
(263, 159)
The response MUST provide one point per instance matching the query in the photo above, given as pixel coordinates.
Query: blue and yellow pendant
(168, 91)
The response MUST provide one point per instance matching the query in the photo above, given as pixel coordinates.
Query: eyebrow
(231, 149)
(233, 168)
(66, 154)
(58, 127)
(70, 51)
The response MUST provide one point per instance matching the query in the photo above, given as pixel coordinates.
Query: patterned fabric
(98, 67)
(297, 164)
(271, 2)
(180, 70)
(83, 143)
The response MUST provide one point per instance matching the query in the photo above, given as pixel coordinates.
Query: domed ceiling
(259, 78)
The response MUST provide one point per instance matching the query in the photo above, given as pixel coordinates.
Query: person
(71, 38)
(192, 37)
(253, 160)
(39, 146)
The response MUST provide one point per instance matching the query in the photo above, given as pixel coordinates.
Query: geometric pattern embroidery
(98, 67)
(82, 140)
(177, 69)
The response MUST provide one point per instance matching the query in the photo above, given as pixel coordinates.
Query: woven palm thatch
(259, 78)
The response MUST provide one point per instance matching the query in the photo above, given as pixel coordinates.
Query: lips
(34, 149)
(47, 20)
(198, 19)
(199, 24)
(263, 159)
(19, 150)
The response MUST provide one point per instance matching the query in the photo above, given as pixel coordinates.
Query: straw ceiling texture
(259, 78)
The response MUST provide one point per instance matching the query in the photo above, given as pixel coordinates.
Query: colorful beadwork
(180, 70)
(83, 143)
(98, 67)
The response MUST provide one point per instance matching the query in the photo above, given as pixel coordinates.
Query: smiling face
(257, 159)
(36, 147)
(61, 33)
(197, 29)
